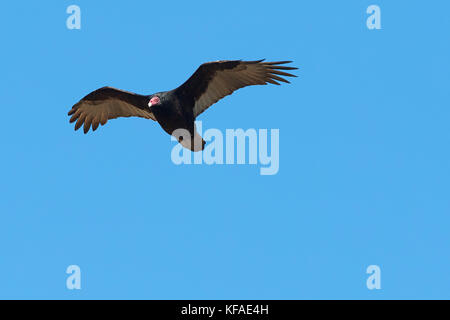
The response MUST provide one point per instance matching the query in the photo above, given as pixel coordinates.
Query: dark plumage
(178, 109)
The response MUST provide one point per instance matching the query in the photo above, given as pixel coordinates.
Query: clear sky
(364, 173)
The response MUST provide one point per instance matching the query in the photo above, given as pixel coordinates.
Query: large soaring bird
(178, 108)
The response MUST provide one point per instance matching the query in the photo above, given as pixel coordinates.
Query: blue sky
(364, 153)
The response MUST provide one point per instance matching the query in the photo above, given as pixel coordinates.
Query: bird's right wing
(108, 103)
(214, 80)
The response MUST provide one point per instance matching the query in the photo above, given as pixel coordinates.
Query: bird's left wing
(214, 80)
(108, 103)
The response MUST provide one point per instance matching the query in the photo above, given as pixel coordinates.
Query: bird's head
(154, 101)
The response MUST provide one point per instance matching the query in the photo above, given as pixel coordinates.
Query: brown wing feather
(214, 80)
(108, 103)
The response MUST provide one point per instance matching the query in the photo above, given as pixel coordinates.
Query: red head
(154, 101)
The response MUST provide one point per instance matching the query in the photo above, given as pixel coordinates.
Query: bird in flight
(178, 108)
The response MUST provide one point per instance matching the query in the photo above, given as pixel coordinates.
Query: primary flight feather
(178, 108)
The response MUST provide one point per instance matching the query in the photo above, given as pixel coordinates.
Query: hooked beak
(150, 104)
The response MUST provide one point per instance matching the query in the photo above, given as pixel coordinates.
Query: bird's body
(178, 108)
(171, 114)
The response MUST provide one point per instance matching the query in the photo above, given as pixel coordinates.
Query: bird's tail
(193, 142)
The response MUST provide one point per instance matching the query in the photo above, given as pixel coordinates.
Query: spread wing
(214, 80)
(108, 103)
